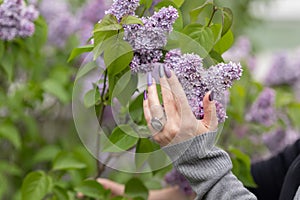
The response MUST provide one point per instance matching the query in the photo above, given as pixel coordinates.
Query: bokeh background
(37, 131)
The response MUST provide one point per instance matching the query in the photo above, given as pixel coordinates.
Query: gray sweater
(207, 168)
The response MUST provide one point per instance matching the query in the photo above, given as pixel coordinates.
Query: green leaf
(10, 132)
(136, 109)
(79, 50)
(178, 2)
(55, 88)
(135, 188)
(67, 161)
(122, 138)
(91, 188)
(125, 87)
(60, 193)
(227, 19)
(7, 63)
(216, 56)
(91, 97)
(36, 185)
(224, 43)
(143, 148)
(242, 167)
(108, 23)
(217, 31)
(86, 69)
(194, 14)
(147, 3)
(185, 44)
(117, 55)
(129, 19)
(9, 168)
(203, 35)
(47, 153)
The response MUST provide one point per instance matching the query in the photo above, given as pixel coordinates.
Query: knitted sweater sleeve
(207, 168)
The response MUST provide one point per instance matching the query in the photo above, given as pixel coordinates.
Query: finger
(155, 107)
(116, 188)
(147, 113)
(210, 119)
(179, 95)
(167, 96)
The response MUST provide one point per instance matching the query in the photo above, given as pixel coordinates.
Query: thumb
(210, 119)
(116, 188)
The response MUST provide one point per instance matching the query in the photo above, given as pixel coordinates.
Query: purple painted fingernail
(145, 95)
(211, 96)
(149, 79)
(168, 72)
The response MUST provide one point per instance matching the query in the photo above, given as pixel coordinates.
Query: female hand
(173, 193)
(176, 117)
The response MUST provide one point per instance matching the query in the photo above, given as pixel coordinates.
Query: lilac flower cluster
(149, 39)
(278, 139)
(196, 80)
(175, 178)
(284, 70)
(16, 19)
(121, 8)
(62, 23)
(262, 110)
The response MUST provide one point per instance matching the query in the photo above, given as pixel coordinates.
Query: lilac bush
(262, 110)
(16, 19)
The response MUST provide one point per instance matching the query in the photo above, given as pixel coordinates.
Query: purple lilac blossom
(262, 110)
(121, 8)
(16, 19)
(62, 23)
(197, 81)
(278, 139)
(175, 178)
(285, 69)
(149, 39)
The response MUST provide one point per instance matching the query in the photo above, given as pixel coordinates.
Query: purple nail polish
(145, 95)
(211, 96)
(149, 79)
(168, 72)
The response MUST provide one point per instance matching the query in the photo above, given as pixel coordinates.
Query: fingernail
(161, 71)
(149, 79)
(211, 96)
(167, 72)
(145, 95)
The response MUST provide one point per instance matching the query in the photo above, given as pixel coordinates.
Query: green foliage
(135, 188)
(36, 185)
(91, 188)
(37, 132)
(122, 138)
(241, 167)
